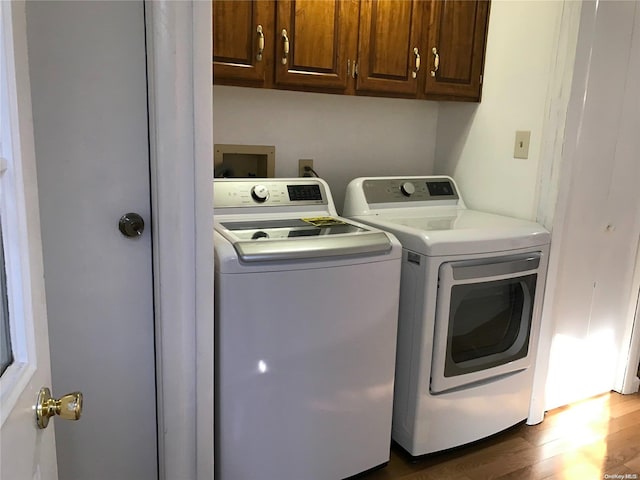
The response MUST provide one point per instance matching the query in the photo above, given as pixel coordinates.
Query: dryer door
(483, 321)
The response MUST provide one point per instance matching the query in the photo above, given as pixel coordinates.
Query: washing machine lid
(259, 240)
(457, 231)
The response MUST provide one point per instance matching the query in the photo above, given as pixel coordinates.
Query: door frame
(554, 171)
(627, 380)
(181, 159)
(29, 451)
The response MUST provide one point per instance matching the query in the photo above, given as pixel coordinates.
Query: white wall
(475, 142)
(347, 136)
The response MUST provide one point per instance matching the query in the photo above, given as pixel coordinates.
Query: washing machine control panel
(263, 192)
(409, 190)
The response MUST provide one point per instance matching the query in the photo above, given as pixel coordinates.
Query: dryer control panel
(410, 189)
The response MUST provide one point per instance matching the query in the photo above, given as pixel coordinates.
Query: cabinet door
(457, 36)
(315, 44)
(241, 30)
(390, 33)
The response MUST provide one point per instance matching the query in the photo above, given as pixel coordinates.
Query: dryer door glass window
(489, 324)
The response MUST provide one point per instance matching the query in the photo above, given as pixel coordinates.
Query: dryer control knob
(260, 193)
(408, 189)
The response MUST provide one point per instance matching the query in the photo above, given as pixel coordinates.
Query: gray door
(89, 93)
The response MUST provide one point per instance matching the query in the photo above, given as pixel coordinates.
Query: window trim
(13, 218)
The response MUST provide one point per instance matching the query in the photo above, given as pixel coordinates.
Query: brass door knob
(68, 407)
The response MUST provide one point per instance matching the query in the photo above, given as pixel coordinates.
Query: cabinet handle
(436, 61)
(285, 52)
(414, 74)
(260, 43)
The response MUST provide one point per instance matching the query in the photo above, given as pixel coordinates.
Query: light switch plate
(521, 147)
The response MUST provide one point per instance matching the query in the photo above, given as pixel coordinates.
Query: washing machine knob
(408, 189)
(260, 193)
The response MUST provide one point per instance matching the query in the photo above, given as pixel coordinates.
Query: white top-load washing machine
(306, 322)
(470, 305)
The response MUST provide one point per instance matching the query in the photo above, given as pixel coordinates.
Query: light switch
(521, 148)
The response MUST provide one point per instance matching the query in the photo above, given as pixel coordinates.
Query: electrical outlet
(305, 162)
(521, 147)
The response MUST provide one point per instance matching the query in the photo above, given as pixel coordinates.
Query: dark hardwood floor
(595, 439)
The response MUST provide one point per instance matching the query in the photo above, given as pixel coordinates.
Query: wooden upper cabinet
(390, 46)
(241, 30)
(315, 44)
(455, 57)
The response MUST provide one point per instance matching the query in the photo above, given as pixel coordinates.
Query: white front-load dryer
(471, 294)
(305, 325)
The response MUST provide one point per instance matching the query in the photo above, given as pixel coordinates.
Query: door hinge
(481, 79)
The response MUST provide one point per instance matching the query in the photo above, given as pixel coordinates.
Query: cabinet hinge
(481, 77)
